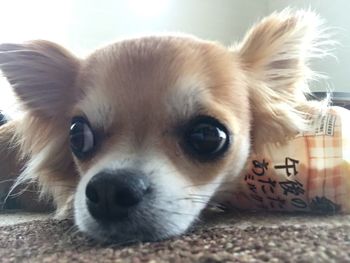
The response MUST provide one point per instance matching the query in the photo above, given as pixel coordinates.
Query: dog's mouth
(146, 222)
(132, 228)
(110, 208)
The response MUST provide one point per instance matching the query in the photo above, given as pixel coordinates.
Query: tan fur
(137, 93)
(11, 163)
(125, 93)
(42, 75)
(10, 167)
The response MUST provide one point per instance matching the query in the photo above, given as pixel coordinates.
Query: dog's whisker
(7, 180)
(210, 196)
(71, 231)
(201, 201)
(9, 194)
(209, 183)
(176, 212)
(204, 201)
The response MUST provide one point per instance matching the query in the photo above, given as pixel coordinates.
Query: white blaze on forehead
(97, 107)
(187, 96)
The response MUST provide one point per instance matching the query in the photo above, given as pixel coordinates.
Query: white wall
(337, 15)
(224, 20)
(84, 24)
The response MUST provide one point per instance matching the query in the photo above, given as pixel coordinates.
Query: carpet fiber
(226, 238)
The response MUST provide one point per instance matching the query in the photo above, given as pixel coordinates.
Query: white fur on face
(187, 96)
(175, 205)
(98, 109)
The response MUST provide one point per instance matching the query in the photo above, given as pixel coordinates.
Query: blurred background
(82, 25)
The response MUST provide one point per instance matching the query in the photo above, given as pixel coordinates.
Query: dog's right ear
(42, 75)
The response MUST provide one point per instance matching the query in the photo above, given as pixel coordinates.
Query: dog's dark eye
(206, 138)
(82, 139)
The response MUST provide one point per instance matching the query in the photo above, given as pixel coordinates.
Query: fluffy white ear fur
(41, 74)
(275, 54)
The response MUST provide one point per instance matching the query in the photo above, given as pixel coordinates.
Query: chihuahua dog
(136, 139)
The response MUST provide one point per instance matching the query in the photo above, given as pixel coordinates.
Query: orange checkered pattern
(329, 161)
(310, 173)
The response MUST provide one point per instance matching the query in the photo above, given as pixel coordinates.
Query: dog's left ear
(275, 56)
(42, 75)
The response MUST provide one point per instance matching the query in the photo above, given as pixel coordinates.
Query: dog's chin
(139, 226)
(131, 231)
(152, 220)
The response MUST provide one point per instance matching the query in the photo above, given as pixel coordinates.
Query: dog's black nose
(110, 195)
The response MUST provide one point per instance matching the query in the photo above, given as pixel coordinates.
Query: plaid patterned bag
(311, 173)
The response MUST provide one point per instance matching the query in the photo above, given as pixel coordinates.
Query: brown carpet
(232, 238)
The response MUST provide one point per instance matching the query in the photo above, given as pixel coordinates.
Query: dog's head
(144, 131)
